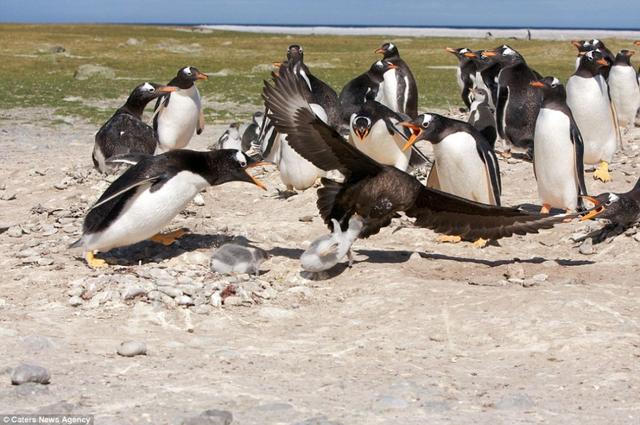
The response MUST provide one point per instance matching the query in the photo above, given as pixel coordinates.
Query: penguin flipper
(124, 190)
(501, 103)
(578, 148)
(492, 169)
(127, 158)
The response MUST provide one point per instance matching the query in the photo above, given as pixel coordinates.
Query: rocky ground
(533, 330)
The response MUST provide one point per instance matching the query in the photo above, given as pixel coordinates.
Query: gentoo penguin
(482, 116)
(230, 139)
(465, 74)
(517, 103)
(326, 251)
(624, 89)
(487, 71)
(585, 46)
(464, 162)
(148, 195)
(399, 89)
(620, 209)
(179, 115)
(355, 92)
(558, 154)
(233, 258)
(377, 192)
(252, 132)
(125, 132)
(588, 99)
(373, 131)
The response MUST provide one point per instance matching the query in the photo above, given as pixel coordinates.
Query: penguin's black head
(258, 117)
(593, 60)
(606, 206)
(146, 92)
(187, 76)
(582, 45)
(624, 57)
(552, 89)
(230, 165)
(503, 54)
(480, 59)
(459, 52)
(361, 125)
(388, 50)
(423, 127)
(295, 53)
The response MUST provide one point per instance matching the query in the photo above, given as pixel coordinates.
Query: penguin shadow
(535, 209)
(378, 256)
(151, 252)
(290, 253)
(498, 263)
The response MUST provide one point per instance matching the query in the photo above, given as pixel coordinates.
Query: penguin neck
(392, 57)
(586, 71)
(134, 106)
(622, 61)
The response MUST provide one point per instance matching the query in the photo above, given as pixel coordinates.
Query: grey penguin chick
(326, 251)
(233, 258)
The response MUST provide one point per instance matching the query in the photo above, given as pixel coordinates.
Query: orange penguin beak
(379, 50)
(362, 134)
(637, 42)
(167, 89)
(201, 76)
(254, 179)
(415, 133)
(598, 208)
(602, 61)
(631, 52)
(469, 55)
(451, 50)
(489, 53)
(277, 64)
(576, 43)
(536, 84)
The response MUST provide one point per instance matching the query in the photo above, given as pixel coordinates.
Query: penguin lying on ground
(620, 209)
(588, 99)
(624, 89)
(465, 74)
(125, 132)
(233, 258)
(327, 251)
(559, 150)
(179, 115)
(148, 195)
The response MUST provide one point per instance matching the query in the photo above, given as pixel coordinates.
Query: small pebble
(15, 231)
(198, 200)
(184, 300)
(233, 300)
(636, 237)
(306, 219)
(586, 248)
(133, 291)
(514, 271)
(132, 348)
(30, 373)
(216, 299)
(45, 261)
(210, 417)
(172, 291)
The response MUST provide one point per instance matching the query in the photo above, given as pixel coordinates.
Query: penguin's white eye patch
(426, 119)
(589, 55)
(391, 46)
(555, 82)
(241, 159)
(613, 198)
(508, 51)
(187, 71)
(148, 87)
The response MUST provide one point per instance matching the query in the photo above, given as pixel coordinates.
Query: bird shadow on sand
(151, 252)
(497, 263)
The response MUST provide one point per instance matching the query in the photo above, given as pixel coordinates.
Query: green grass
(31, 77)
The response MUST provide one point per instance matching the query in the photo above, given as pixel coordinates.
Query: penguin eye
(151, 90)
(241, 159)
(187, 71)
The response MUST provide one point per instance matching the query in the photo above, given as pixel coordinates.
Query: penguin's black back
(125, 133)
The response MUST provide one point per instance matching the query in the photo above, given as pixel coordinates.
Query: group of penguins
(364, 139)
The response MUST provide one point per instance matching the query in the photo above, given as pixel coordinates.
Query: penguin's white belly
(179, 119)
(592, 111)
(460, 168)
(295, 170)
(459, 78)
(384, 147)
(554, 160)
(146, 213)
(390, 88)
(625, 93)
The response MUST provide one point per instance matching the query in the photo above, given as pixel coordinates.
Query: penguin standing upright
(624, 89)
(230, 139)
(399, 90)
(482, 115)
(372, 131)
(125, 132)
(588, 99)
(355, 92)
(148, 195)
(517, 103)
(558, 154)
(179, 115)
(465, 74)
(585, 46)
(465, 163)
(252, 132)
(487, 71)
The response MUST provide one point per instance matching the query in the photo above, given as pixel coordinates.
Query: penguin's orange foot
(480, 243)
(545, 209)
(449, 239)
(505, 154)
(602, 172)
(93, 262)
(167, 239)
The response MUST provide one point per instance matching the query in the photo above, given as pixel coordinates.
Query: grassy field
(32, 76)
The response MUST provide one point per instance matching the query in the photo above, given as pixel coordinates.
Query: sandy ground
(520, 33)
(416, 332)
